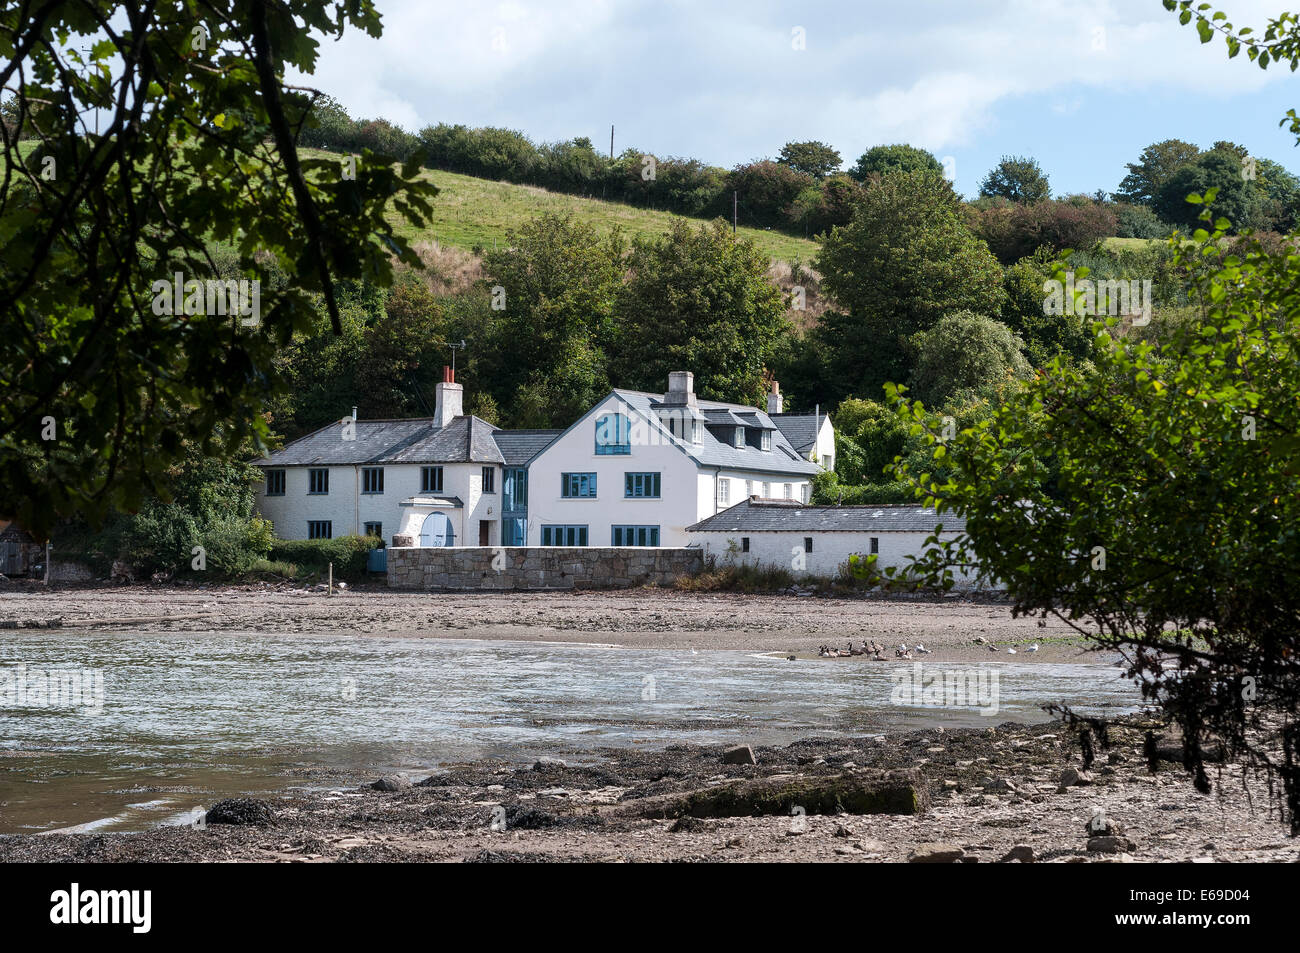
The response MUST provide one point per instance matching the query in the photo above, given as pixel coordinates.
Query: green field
(470, 211)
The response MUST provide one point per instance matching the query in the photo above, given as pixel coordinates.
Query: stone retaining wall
(536, 567)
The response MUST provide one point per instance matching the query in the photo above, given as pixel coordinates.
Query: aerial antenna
(454, 348)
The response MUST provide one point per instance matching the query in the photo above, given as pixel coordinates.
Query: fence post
(331, 592)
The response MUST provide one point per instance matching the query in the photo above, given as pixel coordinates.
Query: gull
(1032, 648)
(921, 649)
(1011, 651)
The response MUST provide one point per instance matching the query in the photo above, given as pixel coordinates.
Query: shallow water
(189, 718)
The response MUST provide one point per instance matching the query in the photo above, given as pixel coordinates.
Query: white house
(638, 468)
(818, 540)
(448, 480)
(811, 435)
(635, 470)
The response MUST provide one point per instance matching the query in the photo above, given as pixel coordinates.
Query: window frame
(622, 429)
(369, 477)
(579, 532)
(651, 478)
(489, 477)
(279, 479)
(314, 526)
(430, 475)
(312, 480)
(573, 482)
(620, 533)
(377, 524)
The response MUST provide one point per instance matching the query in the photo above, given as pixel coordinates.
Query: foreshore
(634, 618)
(984, 795)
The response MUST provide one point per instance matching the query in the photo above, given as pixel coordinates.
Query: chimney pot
(774, 400)
(354, 413)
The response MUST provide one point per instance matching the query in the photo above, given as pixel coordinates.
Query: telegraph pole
(733, 214)
(611, 140)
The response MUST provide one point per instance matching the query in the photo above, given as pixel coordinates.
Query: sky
(1081, 85)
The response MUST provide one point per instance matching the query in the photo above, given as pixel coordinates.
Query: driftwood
(858, 792)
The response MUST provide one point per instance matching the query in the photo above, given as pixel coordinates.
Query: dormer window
(697, 432)
(739, 440)
(765, 440)
(613, 435)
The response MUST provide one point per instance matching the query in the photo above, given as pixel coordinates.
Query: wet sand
(638, 618)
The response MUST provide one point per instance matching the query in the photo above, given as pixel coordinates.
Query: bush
(347, 553)
(232, 546)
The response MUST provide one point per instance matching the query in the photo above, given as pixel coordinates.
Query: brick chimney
(774, 401)
(448, 402)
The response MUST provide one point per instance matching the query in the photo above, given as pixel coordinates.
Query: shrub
(347, 553)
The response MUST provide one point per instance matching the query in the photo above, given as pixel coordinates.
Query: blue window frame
(577, 485)
(634, 535)
(514, 487)
(320, 529)
(372, 479)
(613, 434)
(318, 481)
(513, 530)
(641, 485)
(563, 535)
(275, 483)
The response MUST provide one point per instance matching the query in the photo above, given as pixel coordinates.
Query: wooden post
(47, 562)
(331, 579)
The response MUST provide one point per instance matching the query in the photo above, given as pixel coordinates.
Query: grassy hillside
(470, 211)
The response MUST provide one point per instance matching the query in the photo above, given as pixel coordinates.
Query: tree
(1237, 199)
(811, 158)
(555, 281)
(905, 260)
(1013, 230)
(1155, 166)
(767, 190)
(697, 299)
(885, 160)
(964, 351)
(1043, 336)
(1016, 179)
(104, 384)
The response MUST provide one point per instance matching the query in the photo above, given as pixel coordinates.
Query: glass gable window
(430, 479)
(275, 483)
(574, 485)
(634, 535)
(564, 535)
(318, 481)
(637, 485)
(372, 479)
(613, 434)
(514, 487)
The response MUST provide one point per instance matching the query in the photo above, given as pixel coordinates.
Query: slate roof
(790, 516)
(466, 439)
(520, 446)
(712, 452)
(799, 429)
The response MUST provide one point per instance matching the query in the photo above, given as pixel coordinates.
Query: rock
(1109, 845)
(687, 825)
(1100, 826)
(392, 782)
(936, 854)
(241, 811)
(1169, 747)
(863, 792)
(994, 785)
(1021, 852)
(1073, 776)
(549, 764)
(842, 831)
(740, 754)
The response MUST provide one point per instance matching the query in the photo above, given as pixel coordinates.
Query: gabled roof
(465, 439)
(519, 446)
(800, 429)
(712, 452)
(755, 515)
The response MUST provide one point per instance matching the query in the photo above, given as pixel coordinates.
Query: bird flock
(876, 652)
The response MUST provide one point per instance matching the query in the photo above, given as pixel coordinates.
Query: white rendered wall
(831, 550)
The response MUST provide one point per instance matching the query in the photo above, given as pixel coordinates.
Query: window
(577, 485)
(375, 529)
(765, 441)
(634, 535)
(641, 485)
(275, 483)
(320, 529)
(489, 479)
(767, 491)
(697, 432)
(749, 488)
(514, 486)
(739, 440)
(372, 479)
(744, 544)
(724, 491)
(430, 479)
(805, 492)
(789, 491)
(875, 544)
(564, 535)
(513, 532)
(318, 481)
(807, 544)
(613, 435)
